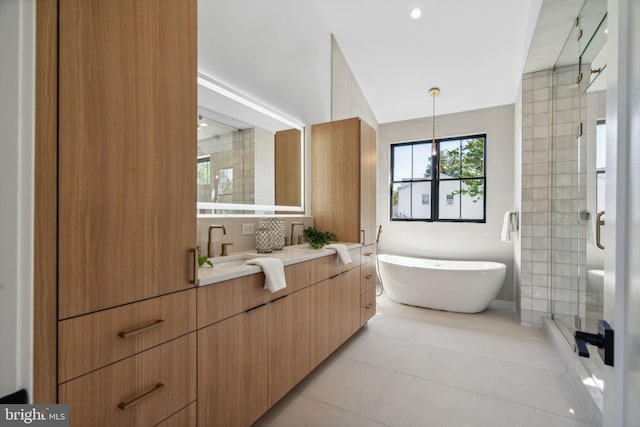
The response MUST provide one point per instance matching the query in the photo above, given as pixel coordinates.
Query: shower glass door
(578, 175)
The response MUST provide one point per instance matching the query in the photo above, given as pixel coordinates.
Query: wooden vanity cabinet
(325, 319)
(289, 343)
(368, 280)
(343, 184)
(120, 125)
(349, 303)
(233, 369)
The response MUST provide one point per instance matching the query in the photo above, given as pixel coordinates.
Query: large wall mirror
(250, 158)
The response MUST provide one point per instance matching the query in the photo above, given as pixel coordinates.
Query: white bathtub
(462, 286)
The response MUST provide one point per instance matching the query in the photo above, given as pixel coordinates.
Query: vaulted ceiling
(278, 52)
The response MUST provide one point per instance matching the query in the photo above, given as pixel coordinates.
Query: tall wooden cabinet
(117, 96)
(126, 147)
(343, 184)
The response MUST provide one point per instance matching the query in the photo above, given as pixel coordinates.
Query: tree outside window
(447, 187)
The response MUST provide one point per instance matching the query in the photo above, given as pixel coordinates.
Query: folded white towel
(343, 252)
(505, 235)
(273, 270)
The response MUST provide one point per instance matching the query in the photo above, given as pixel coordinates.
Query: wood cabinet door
(367, 183)
(324, 311)
(289, 343)
(232, 370)
(349, 303)
(127, 151)
(335, 186)
(367, 306)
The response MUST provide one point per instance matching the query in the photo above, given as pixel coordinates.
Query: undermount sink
(233, 260)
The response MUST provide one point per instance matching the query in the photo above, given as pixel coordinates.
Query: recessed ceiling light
(416, 13)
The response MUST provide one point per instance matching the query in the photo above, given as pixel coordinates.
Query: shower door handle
(603, 340)
(598, 216)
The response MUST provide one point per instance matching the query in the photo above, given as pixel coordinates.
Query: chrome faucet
(210, 253)
(293, 224)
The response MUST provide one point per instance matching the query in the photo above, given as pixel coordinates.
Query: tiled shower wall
(550, 198)
(535, 213)
(566, 198)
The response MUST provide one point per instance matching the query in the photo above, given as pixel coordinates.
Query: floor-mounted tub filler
(462, 286)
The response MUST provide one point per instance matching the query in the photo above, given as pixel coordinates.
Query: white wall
(469, 241)
(276, 52)
(347, 98)
(17, 50)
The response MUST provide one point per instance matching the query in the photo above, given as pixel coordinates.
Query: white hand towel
(505, 235)
(343, 252)
(273, 270)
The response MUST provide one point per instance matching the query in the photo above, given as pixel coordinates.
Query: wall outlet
(248, 229)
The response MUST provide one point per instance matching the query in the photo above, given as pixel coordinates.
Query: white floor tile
(415, 367)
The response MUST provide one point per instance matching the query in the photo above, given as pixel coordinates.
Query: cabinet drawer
(186, 417)
(367, 277)
(322, 268)
(225, 299)
(141, 390)
(95, 340)
(368, 254)
(298, 277)
(367, 306)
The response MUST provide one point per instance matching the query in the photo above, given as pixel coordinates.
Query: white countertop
(232, 266)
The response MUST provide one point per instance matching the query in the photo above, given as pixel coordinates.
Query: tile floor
(415, 367)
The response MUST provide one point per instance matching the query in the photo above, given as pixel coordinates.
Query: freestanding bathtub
(462, 286)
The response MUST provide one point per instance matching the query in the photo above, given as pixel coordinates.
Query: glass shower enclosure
(578, 231)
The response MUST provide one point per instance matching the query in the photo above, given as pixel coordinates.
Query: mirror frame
(252, 110)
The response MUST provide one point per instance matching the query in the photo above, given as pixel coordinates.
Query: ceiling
(473, 50)
(278, 53)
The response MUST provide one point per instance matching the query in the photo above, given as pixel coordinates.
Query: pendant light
(434, 91)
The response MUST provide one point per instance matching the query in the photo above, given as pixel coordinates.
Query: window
(204, 170)
(449, 186)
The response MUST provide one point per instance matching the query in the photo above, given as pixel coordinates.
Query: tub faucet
(293, 225)
(210, 253)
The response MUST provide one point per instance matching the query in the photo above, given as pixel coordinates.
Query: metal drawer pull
(369, 306)
(368, 253)
(126, 334)
(369, 276)
(125, 405)
(196, 255)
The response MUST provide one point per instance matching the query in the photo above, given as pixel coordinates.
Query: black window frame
(435, 180)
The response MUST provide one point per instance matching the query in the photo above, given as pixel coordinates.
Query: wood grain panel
(288, 168)
(225, 299)
(324, 313)
(368, 268)
(367, 306)
(93, 399)
(368, 182)
(92, 341)
(335, 185)
(127, 144)
(349, 303)
(298, 276)
(289, 343)
(232, 370)
(187, 417)
(45, 250)
(321, 268)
